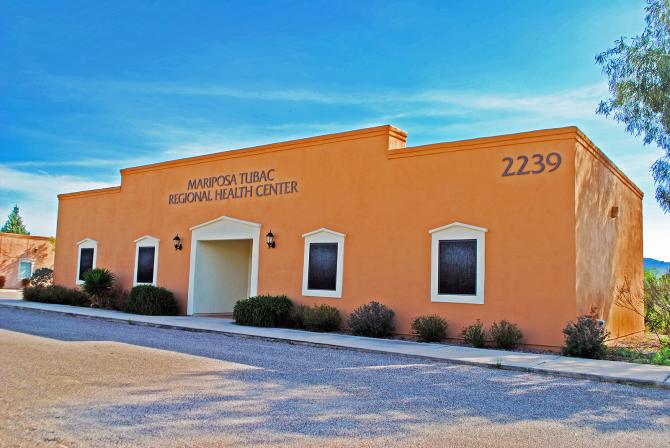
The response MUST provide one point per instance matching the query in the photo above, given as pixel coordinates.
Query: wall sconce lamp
(270, 239)
(177, 242)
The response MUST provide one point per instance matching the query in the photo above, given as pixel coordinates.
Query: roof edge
(94, 192)
(28, 237)
(386, 129)
(607, 162)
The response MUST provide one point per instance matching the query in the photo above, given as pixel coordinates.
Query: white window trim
(324, 235)
(457, 231)
(146, 241)
(86, 243)
(32, 266)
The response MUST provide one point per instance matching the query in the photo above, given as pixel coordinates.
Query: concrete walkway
(610, 371)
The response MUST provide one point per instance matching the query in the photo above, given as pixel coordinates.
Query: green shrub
(3, 279)
(585, 338)
(322, 318)
(42, 277)
(506, 335)
(662, 357)
(431, 328)
(296, 317)
(151, 301)
(474, 334)
(263, 311)
(372, 319)
(98, 284)
(25, 282)
(56, 294)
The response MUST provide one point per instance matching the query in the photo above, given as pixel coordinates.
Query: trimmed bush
(431, 328)
(372, 319)
(98, 284)
(585, 338)
(296, 317)
(56, 294)
(25, 282)
(42, 277)
(474, 334)
(263, 311)
(151, 301)
(506, 335)
(3, 279)
(322, 318)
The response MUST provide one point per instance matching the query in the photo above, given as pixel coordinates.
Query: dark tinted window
(457, 267)
(85, 261)
(322, 273)
(145, 264)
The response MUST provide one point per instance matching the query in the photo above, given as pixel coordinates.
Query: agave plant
(98, 284)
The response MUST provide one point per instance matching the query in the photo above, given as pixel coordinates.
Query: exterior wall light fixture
(270, 239)
(177, 242)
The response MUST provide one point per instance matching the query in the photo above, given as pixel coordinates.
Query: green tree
(639, 84)
(14, 223)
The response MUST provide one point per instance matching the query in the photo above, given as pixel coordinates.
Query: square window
(85, 261)
(322, 271)
(457, 267)
(25, 269)
(145, 264)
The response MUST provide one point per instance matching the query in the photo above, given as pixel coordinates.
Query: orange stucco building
(21, 255)
(537, 228)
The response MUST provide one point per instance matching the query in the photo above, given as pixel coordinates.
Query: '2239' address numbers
(535, 164)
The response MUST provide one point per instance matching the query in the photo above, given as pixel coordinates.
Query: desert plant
(3, 279)
(98, 283)
(474, 334)
(25, 282)
(151, 301)
(431, 328)
(372, 319)
(585, 338)
(56, 294)
(322, 318)
(505, 335)
(263, 311)
(42, 277)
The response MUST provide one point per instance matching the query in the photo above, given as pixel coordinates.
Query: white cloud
(36, 195)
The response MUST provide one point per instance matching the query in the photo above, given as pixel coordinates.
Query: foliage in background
(14, 223)
(505, 335)
(657, 303)
(3, 279)
(431, 328)
(639, 83)
(263, 311)
(654, 305)
(56, 294)
(372, 319)
(321, 318)
(98, 284)
(151, 301)
(42, 277)
(474, 334)
(585, 338)
(25, 282)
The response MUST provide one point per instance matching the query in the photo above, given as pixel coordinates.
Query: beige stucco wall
(14, 248)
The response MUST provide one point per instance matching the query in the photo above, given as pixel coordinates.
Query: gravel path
(80, 382)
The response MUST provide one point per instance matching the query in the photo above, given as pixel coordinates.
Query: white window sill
(449, 298)
(322, 293)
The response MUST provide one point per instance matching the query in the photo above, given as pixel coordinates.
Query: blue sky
(89, 87)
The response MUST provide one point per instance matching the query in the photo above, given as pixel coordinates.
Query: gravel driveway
(71, 381)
